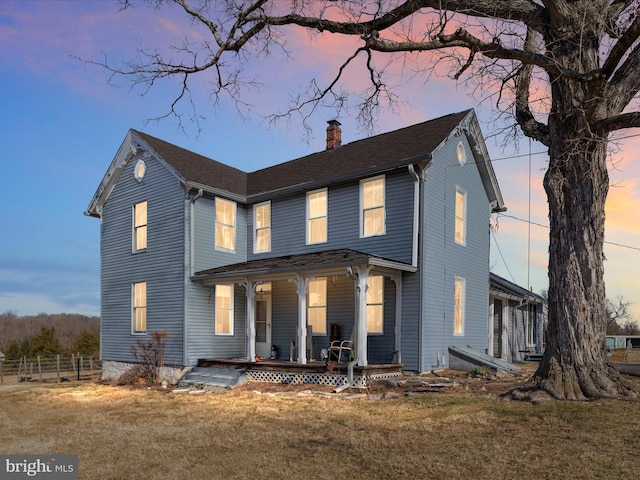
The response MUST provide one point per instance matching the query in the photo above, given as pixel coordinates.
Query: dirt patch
(479, 380)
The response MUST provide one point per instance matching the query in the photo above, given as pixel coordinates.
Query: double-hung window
(225, 224)
(262, 230)
(461, 216)
(224, 310)
(140, 226)
(317, 305)
(375, 305)
(139, 308)
(372, 214)
(317, 216)
(458, 306)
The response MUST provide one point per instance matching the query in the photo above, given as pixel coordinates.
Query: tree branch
(618, 122)
(524, 116)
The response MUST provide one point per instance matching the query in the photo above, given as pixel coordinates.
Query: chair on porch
(338, 347)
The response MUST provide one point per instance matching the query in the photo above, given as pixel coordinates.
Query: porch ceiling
(317, 261)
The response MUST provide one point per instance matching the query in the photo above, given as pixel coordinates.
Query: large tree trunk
(574, 365)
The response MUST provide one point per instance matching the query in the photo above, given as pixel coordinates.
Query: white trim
(383, 205)
(255, 227)
(462, 282)
(463, 218)
(308, 217)
(133, 309)
(381, 304)
(134, 228)
(317, 333)
(137, 174)
(234, 225)
(231, 309)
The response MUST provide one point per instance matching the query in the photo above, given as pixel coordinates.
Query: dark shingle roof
(377, 153)
(197, 168)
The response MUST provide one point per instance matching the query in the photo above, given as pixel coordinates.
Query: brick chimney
(334, 135)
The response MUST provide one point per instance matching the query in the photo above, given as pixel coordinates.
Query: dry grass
(123, 433)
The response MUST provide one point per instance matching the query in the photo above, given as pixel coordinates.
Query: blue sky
(62, 123)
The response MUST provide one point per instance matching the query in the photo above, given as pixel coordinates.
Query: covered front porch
(312, 300)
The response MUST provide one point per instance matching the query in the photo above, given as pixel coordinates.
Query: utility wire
(502, 257)
(547, 227)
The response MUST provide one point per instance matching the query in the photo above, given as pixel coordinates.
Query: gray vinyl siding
(205, 254)
(443, 259)
(382, 346)
(288, 222)
(161, 265)
(199, 325)
(411, 321)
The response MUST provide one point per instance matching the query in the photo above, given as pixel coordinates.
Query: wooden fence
(60, 369)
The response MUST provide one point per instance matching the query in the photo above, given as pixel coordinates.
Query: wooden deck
(317, 367)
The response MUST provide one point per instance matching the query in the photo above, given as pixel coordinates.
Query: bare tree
(617, 312)
(567, 72)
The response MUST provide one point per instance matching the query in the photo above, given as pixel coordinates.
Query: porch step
(203, 377)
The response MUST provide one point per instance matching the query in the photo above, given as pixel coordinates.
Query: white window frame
(219, 202)
(227, 309)
(140, 228)
(460, 222)
(381, 206)
(138, 305)
(374, 303)
(318, 305)
(265, 229)
(312, 220)
(459, 308)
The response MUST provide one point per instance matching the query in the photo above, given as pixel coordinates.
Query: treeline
(48, 335)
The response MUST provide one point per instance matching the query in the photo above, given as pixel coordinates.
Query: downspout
(418, 224)
(188, 266)
(416, 214)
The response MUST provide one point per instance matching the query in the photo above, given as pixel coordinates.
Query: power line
(547, 227)
(502, 257)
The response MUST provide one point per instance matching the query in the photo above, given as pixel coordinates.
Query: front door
(263, 325)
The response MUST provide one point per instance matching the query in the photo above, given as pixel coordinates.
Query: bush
(150, 353)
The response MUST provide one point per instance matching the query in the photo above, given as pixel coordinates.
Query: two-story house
(384, 241)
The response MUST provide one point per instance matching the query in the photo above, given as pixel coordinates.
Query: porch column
(361, 276)
(397, 279)
(250, 288)
(301, 284)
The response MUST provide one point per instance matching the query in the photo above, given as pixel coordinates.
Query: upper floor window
(375, 305)
(140, 170)
(262, 230)
(225, 224)
(139, 308)
(224, 310)
(461, 216)
(458, 306)
(461, 152)
(140, 226)
(317, 216)
(317, 305)
(372, 221)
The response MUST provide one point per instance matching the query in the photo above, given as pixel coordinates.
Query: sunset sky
(62, 123)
